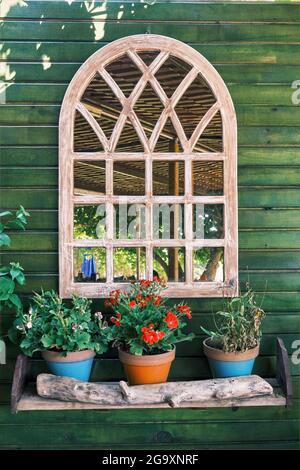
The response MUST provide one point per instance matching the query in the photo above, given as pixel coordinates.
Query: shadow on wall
(86, 20)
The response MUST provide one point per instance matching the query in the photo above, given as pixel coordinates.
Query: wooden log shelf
(217, 393)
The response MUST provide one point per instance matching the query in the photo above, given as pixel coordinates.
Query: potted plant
(67, 336)
(232, 349)
(146, 330)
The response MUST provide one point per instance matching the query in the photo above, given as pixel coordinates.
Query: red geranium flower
(185, 310)
(157, 300)
(117, 319)
(171, 320)
(150, 336)
(132, 304)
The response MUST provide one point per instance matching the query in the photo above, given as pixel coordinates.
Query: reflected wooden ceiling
(106, 108)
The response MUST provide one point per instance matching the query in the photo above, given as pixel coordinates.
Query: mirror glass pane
(129, 264)
(169, 264)
(208, 264)
(89, 264)
(208, 221)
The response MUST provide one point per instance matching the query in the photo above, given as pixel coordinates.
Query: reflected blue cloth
(88, 267)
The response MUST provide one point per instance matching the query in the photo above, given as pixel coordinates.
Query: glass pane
(129, 221)
(208, 221)
(89, 178)
(168, 178)
(102, 103)
(129, 178)
(168, 221)
(169, 264)
(211, 140)
(208, 264)
(194, 104)
(85, 139)
(89, 222)
(171, 74)
(148, 109)
(89, 264)
(125, 73)
(207, 178)
(129, 264)
(168, 140)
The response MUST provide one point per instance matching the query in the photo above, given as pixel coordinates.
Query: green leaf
(15, 300)
(5, 214)
(4, 239)
(47, 341)
(7, 287)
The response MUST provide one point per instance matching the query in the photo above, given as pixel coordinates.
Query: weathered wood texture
(173, 394)
(258, 63)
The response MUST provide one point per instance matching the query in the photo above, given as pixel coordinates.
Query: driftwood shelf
(25, 398)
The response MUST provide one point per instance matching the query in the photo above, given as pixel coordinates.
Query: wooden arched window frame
(133, 46)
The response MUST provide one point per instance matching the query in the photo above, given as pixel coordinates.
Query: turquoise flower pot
(77, 365)
(233, 364)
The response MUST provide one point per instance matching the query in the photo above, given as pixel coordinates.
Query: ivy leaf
(4, 239)
(5, 214)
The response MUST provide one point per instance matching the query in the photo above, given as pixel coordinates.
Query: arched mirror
(148, 172)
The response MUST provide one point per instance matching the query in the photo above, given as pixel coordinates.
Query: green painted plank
(47, 135)
(48, 52)
(110, 31)
(183, 11)
(151, 434)
(270, 239)
(245, 73)
(272, 259)
(39, 156)
(247, 176)
(279, 98)
(268, 198)
(30, 114)
(33, 199)
(262, 218)
(29, 156)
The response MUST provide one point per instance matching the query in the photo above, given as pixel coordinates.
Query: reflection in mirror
(89, 178)
(125, 73)
(168, 221)
(171, 74)
(207, 178)
(168, 178)
(129, 178)
(129, 221)
(169, 264)
(194, 104)
(208, 264)
(211, 140)
(85, 139)
(129, 264)
(208, 221)
(89, 222)
(89, 264)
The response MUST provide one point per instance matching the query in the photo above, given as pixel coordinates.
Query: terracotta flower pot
(77, 365)
(229, 364)
(151, 369)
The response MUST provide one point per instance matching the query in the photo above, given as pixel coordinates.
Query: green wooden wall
(256, 49)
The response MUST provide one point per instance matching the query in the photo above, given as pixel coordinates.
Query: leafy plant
(51, 324)
(13, 273)
(143, 323)
(238, 326)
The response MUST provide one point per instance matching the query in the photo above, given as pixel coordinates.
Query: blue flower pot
(77, 365)
(234, 364)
